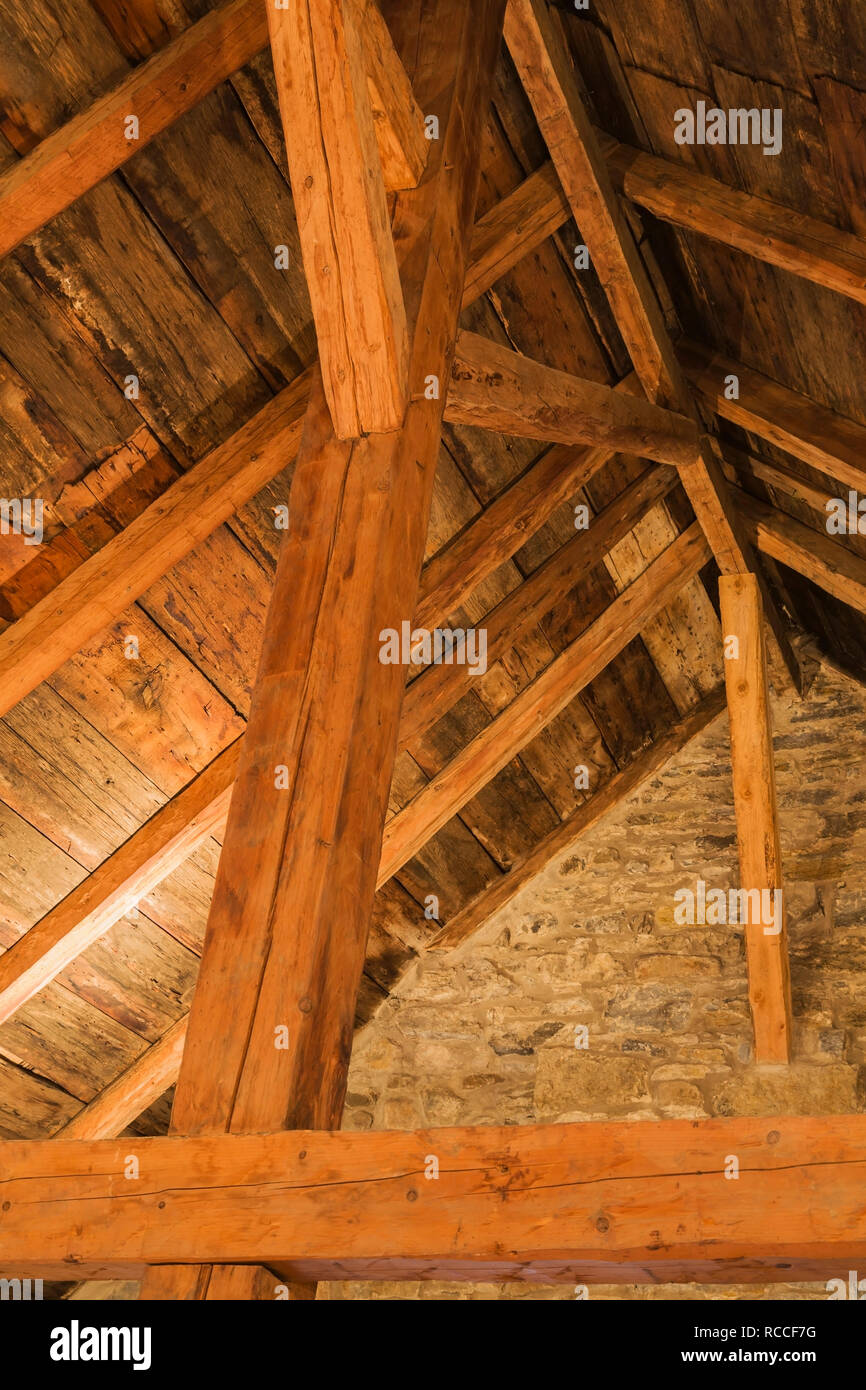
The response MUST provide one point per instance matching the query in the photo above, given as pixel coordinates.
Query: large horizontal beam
(497, 389)
(770, 232)
(541, 701)
(210, 492)
(612, 1202)
(93, 144)
(830, 442)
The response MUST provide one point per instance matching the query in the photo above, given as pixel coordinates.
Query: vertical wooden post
(757, 816)
(271, 1024)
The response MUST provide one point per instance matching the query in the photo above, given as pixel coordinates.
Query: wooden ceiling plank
(495, 388)
(338, 190)
(512, 1201)
(438, 688)
(563, 837)
(272, 1018)
(209, 493)
(540, 702)
(149, 1077)
(793, 241)
(754, 780)
(94, 143)
(538, 49)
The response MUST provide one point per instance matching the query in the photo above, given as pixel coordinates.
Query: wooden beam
(93, 144)
(814, 554)
(757, 814)
(134, 870)
(770, 232)
(339, 195)
(537, 46)
(149, 1077)
(95, 594)
(832, 443)
(623, 1202)
(272, 1018)
(399, 121)
(495, 388)
(541, 701)
(564, 836)
(534, 211)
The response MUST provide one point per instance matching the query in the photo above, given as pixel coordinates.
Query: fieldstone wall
(486, 1034)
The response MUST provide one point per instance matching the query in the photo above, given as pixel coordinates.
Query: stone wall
(486, 1034)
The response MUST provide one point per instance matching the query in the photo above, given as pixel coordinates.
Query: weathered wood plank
(757, 815)
(536, 1203)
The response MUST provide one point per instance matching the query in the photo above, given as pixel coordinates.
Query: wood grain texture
(339, 195)
(828, 441)
(592, 1202)
(211, 491)
(812, 553)
(118, 884)
(754, 780)
(495, 388)
(768, 230)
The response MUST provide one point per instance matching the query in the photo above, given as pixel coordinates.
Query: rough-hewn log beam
(495, 388)
(564, 836)
(805, 246)
(537, 46)
(339, 194)
(541, 701)
(754, 779)
(578, 1203)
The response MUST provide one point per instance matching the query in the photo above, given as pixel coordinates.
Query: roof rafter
(209, 493)
(544, 66)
